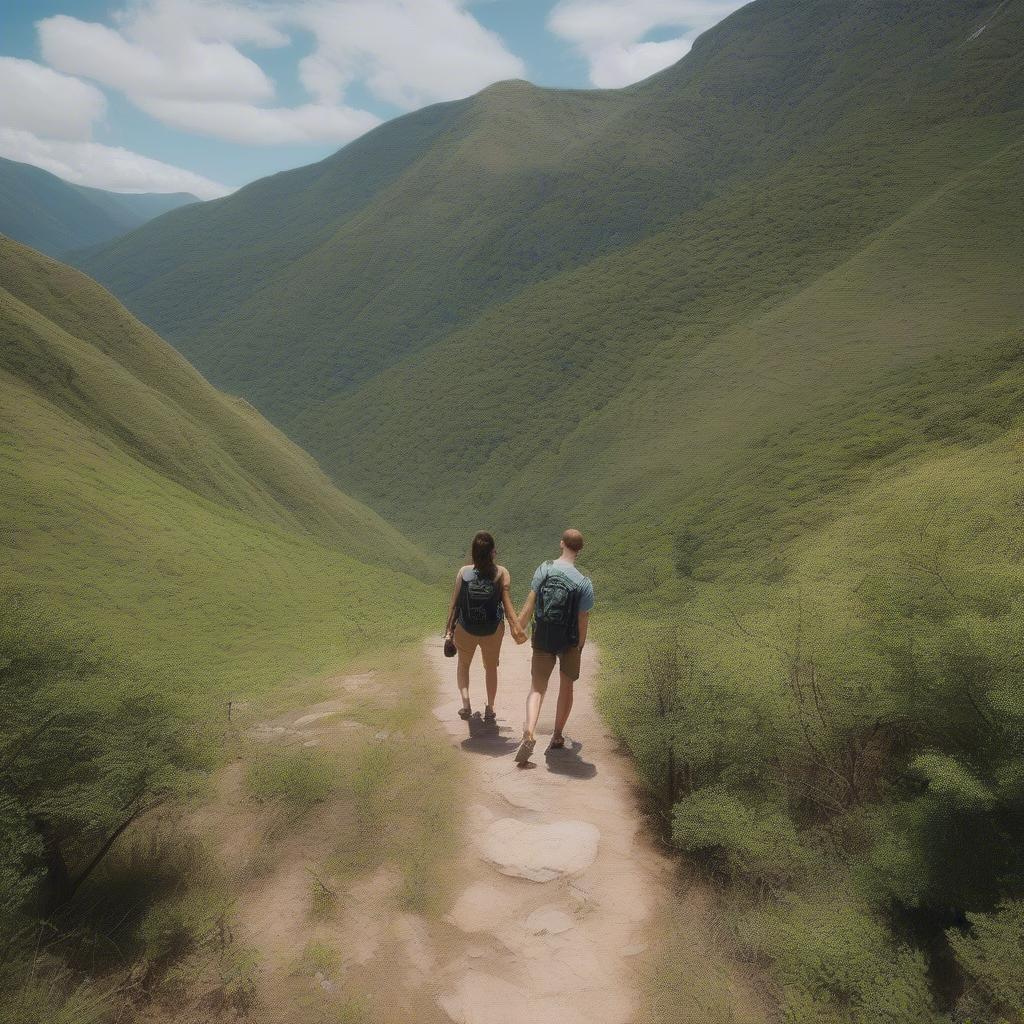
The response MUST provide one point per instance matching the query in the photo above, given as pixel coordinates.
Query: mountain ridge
(492, 250)
(55, 216)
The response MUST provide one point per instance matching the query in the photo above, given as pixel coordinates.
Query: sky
(203, 96)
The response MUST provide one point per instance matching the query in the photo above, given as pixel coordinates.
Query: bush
(755, 842)
(837, 962)
(991, 955)
(86, 753)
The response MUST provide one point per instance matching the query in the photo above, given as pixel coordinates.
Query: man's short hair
(573, 540)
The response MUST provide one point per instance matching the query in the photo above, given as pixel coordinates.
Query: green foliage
(950, 782)
(838, 963)
(206, 558)
(756, 843)
(47, 993)
(321, 958)
(991, 954)
(238, 969)
(686, 547)
(84, 754)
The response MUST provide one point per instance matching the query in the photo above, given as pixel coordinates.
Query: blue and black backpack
(556, 615)
(480, 604)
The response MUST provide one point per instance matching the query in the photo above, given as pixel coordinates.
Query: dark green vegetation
(54, 216)
(164, 550)
(411, 303)
(755, 325)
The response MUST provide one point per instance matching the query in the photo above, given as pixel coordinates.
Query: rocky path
(559, 883)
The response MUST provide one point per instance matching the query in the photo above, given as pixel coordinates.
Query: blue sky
(206, 95)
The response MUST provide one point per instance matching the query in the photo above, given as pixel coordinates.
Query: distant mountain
(143, 506)
(54, 216)
(535, 305)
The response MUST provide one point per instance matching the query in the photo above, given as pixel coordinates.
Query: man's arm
(584, 622)
(527, 613)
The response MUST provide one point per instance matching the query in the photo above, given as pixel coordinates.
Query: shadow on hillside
(568, 761)
(486, 738)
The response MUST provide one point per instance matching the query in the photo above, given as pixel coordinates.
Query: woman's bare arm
(449, 626)
(518, 633)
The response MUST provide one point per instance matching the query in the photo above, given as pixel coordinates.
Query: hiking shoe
(489, 715)
(525, 750)
(465, 714)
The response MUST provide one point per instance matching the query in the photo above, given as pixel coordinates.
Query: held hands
(519, 634)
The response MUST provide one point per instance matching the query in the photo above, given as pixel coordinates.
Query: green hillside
(755, 325)
(171, 521)
(54, 216)
(165, 550)
(475, 252)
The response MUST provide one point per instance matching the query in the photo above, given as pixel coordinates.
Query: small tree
(84, 753)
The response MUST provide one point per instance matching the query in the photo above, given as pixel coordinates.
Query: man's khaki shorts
(544, 662)
(490, 646)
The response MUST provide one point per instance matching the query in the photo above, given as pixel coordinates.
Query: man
(560, 602)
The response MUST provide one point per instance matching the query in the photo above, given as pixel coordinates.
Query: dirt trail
(561, 906)
(561, 884)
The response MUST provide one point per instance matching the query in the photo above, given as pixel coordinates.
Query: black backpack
(556, 616)
(479, 605)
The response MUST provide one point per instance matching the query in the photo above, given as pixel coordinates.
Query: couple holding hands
(559, 603)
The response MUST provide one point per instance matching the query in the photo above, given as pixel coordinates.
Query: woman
(481, 604)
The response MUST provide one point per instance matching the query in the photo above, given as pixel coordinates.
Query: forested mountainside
(54, 216)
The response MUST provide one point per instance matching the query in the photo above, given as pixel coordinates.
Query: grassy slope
(52, 215)
(473, 254)
(171, 520)
(304, 284)
(673, 394)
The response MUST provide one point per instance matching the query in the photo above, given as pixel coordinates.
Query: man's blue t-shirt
(570, 570)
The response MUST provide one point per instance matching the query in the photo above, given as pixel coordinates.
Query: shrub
(752, 841)
(837, 962)
(991, 954)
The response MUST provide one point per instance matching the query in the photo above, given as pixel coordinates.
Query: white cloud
(108, 167)
(242, 122)
(39, 99)
(47, 119)
(611, 34)
(173, 66)
(179, 61)
(408, 52)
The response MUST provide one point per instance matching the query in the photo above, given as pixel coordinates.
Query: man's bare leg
(563, 708)
(533, 705)
(534, 702)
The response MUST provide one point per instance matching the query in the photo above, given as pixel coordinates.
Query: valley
(754, 325)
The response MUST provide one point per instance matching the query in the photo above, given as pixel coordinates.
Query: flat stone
(539, 852)
(480, 998)
(310, 719)
(480, 907)
(549, 921)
